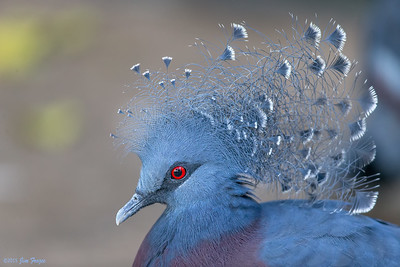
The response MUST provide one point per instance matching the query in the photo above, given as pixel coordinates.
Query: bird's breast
(240, 248)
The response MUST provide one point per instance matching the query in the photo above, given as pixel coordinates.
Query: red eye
(178, 172)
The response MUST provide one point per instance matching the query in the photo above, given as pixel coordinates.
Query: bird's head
(184, 162)
(280, 115)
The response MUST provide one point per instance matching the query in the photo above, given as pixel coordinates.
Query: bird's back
(299, 235)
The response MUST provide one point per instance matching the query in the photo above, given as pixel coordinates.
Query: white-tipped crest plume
(292, 113)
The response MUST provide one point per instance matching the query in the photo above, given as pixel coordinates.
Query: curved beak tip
(122, 215)
(130, 208)
(118, 217)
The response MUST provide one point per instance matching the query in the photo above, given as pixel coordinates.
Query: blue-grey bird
(290, 115)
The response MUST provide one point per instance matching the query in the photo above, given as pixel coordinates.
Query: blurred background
(64, 72)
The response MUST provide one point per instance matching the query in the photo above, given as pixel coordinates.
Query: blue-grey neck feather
(226, 211)
(290, 114)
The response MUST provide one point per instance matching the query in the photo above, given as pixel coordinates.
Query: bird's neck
(179, 230)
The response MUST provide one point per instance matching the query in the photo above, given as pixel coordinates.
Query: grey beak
(134, 205)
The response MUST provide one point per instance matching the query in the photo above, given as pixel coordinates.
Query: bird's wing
(304, 236)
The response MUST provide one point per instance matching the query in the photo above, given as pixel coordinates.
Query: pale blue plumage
(290, 115)
(320, 238)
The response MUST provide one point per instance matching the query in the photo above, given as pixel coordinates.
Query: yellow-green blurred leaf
(53, 127)
(21, 46)
(25, 42)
